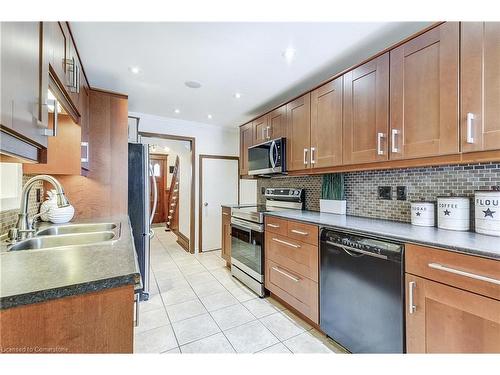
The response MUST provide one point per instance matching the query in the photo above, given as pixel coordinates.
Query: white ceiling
(225, 58)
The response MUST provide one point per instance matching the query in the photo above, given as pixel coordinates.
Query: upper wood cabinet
(260, 129)
(326, 125)
(246, 140)
(298, 123)
(366, 112)
(277, 123)
(480, 86)
(55, 46)
(424, 94)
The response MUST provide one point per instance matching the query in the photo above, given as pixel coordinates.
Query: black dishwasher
(362, 292)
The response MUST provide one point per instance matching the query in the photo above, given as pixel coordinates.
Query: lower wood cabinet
(99, 322)
(291, 265)
(450, 312)
(226, 235)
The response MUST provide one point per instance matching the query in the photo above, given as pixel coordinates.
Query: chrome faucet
(24, 227)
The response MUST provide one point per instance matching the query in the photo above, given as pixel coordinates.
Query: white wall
(210, 140)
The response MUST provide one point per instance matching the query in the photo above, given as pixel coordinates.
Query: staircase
(173, 197)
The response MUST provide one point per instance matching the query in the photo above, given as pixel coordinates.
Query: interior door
(159, 165)
(298, 118)
(480, 86)
(366, 112)
(326, 125)
(219, 179)
(424, 94)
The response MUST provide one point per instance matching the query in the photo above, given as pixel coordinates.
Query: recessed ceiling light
(134, 69)
(193, 84)
(237, 95)
(177, 110)
(289, 54)
(209, 116)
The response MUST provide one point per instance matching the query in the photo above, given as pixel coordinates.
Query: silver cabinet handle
(411, 305)
(225, 213)
(379, 143)
(263, 133)
(86, 158)
(136, 301)
(287, 243)
(470, 119)
(267, 133)
(487, 279)
(312, 155)
(299, 232)
(305, 156)
(394, 133)
(295, 279)
(273, 225)
(53, 132)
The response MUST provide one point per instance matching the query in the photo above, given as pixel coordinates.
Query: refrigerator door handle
(155, 197)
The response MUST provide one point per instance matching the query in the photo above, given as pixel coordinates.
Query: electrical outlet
(263, 190)
(401, 193)
(385, 192)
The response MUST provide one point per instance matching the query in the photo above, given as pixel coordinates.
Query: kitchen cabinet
(326, 125)
(277, 123)
(226, 235)
(366, 112)
(424, 94)
(480, 86)
(298, 124)
(291, 264)
(260, 129)
(98, 322)
(85, 126)
(452, 302)
(55, 43)
(246, 140)
(20, 91)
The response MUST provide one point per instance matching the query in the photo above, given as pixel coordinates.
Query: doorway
(159, 165)
(219, 184)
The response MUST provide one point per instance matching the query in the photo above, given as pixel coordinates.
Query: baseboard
(182, 240)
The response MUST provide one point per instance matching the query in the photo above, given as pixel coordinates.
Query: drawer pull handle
(295, 279)
(287, 243)
(299, 232)
(273, 225)
(440, 267)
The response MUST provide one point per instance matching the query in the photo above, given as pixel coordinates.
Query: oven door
(247, 243)
(267, 158)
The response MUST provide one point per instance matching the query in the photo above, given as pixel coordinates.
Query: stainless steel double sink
(69, 235)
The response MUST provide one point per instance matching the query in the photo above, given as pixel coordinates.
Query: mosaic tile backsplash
(9, 218)
(421, 184)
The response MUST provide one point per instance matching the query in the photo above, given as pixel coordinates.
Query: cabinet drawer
(276, 225)
(299, 257)
(467, 272)
(299, 292)
(303, 232)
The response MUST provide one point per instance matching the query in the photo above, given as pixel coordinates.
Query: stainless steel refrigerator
(141, 182)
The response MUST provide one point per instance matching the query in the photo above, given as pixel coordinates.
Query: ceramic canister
(453, 213)
(422, 214)
(487, 212)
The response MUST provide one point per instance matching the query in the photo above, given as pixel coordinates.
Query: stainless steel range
(247, 235)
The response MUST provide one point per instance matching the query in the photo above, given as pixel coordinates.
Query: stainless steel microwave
(267, 158)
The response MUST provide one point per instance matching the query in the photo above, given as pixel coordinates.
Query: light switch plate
(385, 192)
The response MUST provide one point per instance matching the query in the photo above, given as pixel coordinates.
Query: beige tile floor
(196, 306)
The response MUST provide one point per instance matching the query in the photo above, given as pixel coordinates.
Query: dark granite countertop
(463, 242)
(31, 276)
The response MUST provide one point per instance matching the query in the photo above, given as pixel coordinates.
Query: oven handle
(355, 252)
(238, 224)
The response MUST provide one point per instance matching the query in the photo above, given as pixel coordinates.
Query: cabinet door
(326, 125)
(246, 140)
(277, 123)
(20, 72)
(260, 130)
(226, 234)
(424, 94)
(55, 43)
(298, 123)
(366, 112)
(480, 86)
(85, 126)
(443, 319)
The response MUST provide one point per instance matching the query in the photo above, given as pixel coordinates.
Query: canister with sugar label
(487, 211)
(453, 213)
(422, 213)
